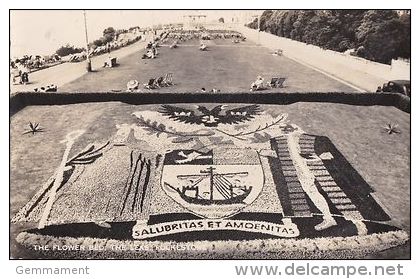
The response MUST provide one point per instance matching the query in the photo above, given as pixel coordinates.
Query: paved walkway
(67, 72)
(359, 80)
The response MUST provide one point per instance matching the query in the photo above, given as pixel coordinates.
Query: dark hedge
(23, 99)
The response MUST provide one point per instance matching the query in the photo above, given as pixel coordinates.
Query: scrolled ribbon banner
(143, 231)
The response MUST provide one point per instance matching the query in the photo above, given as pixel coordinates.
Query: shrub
(68, 49)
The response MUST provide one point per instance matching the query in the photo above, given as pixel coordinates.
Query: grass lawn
(225, 66)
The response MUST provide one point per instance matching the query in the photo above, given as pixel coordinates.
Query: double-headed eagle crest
(213, 117)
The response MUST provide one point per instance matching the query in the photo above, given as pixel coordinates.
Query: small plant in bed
(33, 128)
(392, 129)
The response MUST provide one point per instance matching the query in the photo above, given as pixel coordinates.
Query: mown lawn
(225, 66)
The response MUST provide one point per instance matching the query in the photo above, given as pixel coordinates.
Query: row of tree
(378, 35)
(108, 35)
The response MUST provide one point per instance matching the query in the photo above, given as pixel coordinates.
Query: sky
(43, 32)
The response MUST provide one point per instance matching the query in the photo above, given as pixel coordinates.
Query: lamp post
(88, 62)
(259, 28)
(258, 17)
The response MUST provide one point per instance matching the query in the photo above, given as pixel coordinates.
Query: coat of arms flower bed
(207, 181)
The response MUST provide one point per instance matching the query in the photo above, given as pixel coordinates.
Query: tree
(372, 20)
(68, 49)
(265, 16)
(253, 24)
(382, 33)
(221, 20)
(378, 35)
(109, 34)
(405, 43)
(99, 42)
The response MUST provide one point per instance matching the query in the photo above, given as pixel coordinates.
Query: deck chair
(158, 82)
(276, 82)
(167, 80)
(51, 88)
(150, 84)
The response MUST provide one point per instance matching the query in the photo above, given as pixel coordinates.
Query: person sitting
(278, 52)
(132, 85)
(159, 82)
(24, 78)
(258, 84)
(154, 51)
(203, 47)
(108, 62)
(148, 55)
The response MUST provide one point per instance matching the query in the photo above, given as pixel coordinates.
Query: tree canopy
(378, 35)
(109, 34)
(68, 49)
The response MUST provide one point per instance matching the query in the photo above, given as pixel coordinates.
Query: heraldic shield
(214, 184)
